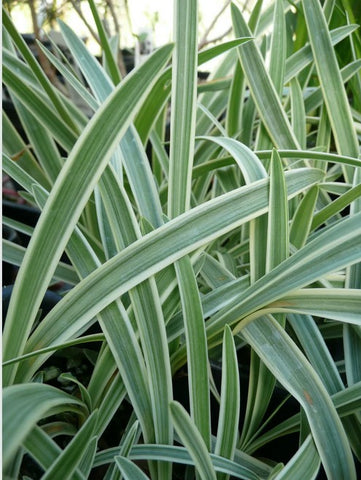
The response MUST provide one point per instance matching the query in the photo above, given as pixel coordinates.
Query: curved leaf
(159, 249)
(72, 190)
(69, 459)
(291, 368)
(24, 406)
(304, 464)
(129, 470)
(227, 430)
(334, 93)
(193, 441)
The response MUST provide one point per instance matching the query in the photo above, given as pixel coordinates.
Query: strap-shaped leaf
(37, 134)
(275, 245)
(263, 91)
(298, 112)
(312, 154)
(44, 450)
(330, 79)
(110, 60)
(214, 164)
(18, 67)
(347, 402)
(39, 107)
(71, 456)
(120, 335)
(183, 125)
(183, 113)
(302, 219)
(197, 354)
(86, 462)
(277, 232)
(36, 69)
(14, 254)
(154, 104)
(25, 405)
(291, 368)
(13, 144)
(235, 102)
(315, 98)
(304, 464)
(147, 307)
(227, 431)
(244, 466)
(303, 57)
(192, 440)
(336, 206)
(339, 304)
(129, 470)
(159, 249)
(131, 151)
(251, 167)
(74, 186)
(276, 69)
(316, 350)
(71, 79)
(206, 55)
(278, 47)
(92, 70)
(341, 243)
(97, 337)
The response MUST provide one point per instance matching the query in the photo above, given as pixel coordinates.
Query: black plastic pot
(49, 301)
(26, 215)
(9, 271)
(21, 213)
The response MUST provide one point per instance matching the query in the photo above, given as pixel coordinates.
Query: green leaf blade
(162, 247)
(330, 79)
(262, 88)
(71, 456)
(227, 431)
(291, 368)
(73, 194)
(26, 404)
(193, 441)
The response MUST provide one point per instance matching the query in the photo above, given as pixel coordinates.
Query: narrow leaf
(277, 236)
(289, 366)
(330, 79)
(71, 456)
(25, 405)
(263, 92)
(159, 249)
(227, 430)
(304, 464)
(129, 470)
(73, 189)
(193, 441)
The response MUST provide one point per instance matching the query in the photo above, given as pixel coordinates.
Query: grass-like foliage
(207, 237)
